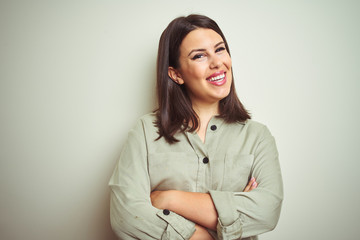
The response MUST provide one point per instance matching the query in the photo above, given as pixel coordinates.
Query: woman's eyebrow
(197, 50)
(219, 43)
(203, 49)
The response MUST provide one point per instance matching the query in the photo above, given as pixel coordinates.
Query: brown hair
(175, 112)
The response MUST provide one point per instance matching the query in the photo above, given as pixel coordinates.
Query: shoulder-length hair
(175, 112)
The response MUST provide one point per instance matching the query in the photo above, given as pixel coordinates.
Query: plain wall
(75, 76)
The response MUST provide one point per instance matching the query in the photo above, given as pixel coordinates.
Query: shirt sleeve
(245, 214)
(131, 212)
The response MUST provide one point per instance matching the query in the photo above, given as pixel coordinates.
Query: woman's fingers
(251, 185)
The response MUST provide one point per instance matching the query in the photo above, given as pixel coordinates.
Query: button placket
(201, 150)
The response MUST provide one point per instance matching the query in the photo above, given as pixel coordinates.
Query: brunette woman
(198, 167)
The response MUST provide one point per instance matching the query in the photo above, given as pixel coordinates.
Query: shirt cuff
(181, 225)
(229, 224)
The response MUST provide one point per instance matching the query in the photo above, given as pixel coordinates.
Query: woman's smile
(218, 78)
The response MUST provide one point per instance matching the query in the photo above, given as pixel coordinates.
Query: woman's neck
(205, 113)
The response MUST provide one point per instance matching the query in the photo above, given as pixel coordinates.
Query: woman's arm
(131, 212)
(197, 207)
(256, 212)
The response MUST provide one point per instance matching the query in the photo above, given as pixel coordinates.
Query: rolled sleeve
(179, 225)
(229, 223)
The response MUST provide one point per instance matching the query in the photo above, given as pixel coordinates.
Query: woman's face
(205, 67)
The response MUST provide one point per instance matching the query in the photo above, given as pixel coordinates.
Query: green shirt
(222, 166)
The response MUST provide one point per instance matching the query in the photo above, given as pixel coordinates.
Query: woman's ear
(175, 75)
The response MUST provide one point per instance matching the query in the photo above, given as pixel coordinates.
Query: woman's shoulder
(254, 124)
(148, 120)
(148, 117)
(256, 127)
(145, 122)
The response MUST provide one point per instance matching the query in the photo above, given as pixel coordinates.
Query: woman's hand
(251, 185)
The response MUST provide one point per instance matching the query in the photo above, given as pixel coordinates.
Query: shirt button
(166, 212)
(205, 160)
(213, 127)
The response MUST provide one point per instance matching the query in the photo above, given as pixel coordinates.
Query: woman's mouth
(217, 79)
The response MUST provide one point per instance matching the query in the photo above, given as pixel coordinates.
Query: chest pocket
(172, 170)
(237, 171)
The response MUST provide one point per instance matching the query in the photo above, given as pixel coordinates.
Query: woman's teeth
(217, 78)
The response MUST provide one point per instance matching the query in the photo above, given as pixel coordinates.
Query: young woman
(198, 167)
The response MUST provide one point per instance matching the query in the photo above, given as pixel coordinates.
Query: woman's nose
(215, 61)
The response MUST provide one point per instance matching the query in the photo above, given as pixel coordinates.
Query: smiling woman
(210, 63)
(204, 69)
(198, 167)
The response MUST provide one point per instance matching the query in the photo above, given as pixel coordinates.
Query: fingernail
(252, 179)
(253, 184)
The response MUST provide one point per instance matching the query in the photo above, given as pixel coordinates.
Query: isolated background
(75, 75)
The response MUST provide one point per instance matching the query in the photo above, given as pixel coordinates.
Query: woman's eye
(220, 49)
(197, 56)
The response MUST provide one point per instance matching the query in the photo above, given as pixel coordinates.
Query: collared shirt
(222, 166)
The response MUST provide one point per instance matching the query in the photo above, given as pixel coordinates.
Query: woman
(188, 170)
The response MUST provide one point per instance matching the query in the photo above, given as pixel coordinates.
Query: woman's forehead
(200, 38)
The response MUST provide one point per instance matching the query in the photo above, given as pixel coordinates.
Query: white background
(75, 76)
